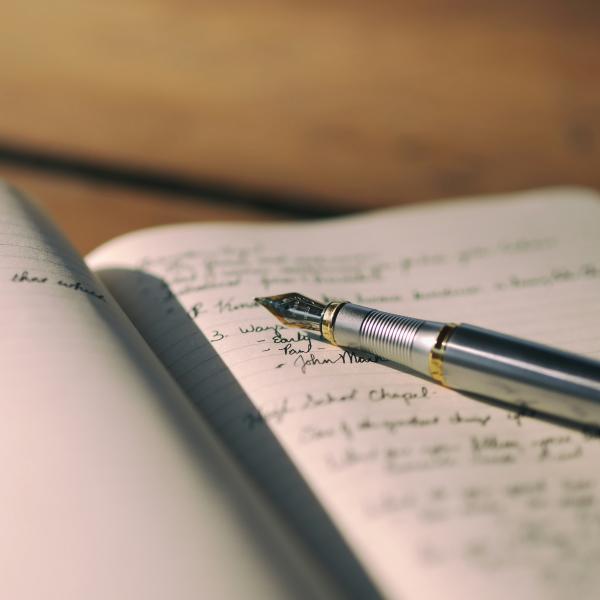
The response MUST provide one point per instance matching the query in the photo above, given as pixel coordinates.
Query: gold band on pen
(328, 319)
(436, 356)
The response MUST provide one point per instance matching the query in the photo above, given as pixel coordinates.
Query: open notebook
(206, 451)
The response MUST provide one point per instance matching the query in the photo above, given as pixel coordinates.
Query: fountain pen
(528, 376)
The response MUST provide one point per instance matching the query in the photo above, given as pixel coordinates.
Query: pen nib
(294, 310)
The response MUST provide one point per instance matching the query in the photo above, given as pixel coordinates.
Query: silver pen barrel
(470, 359)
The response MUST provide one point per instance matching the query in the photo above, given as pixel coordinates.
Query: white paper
(438, 495)
(111, 486)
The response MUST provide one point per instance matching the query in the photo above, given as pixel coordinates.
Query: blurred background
(122, 114)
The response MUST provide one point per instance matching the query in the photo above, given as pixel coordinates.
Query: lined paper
(436, 494)
(111, 486)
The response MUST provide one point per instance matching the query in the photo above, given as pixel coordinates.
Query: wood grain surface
(338, 102)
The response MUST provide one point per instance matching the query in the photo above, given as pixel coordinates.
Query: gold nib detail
(294, 310)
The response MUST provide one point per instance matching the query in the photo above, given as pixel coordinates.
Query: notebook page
(111, 486)
(437, 494)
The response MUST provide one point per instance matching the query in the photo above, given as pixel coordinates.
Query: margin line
(165, 182)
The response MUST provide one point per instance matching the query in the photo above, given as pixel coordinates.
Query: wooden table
(119, 115)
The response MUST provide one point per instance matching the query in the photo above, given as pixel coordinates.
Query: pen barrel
(470, 359)
(522, 373)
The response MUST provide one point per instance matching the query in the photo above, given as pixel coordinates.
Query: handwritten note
(438, 495)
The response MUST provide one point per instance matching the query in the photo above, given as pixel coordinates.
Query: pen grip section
(403, 340)
(389, 336)
(523, 373)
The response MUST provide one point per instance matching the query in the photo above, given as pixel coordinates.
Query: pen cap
(523, 373)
